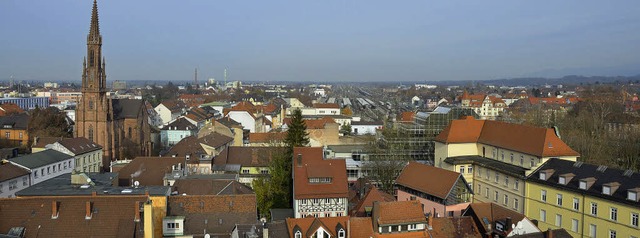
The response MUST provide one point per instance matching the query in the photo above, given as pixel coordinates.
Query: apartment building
(586, 200)
(495, 157)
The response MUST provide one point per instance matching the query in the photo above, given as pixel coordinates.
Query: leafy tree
(48, 122)
(389, 154)
(276, 192)
(346, 111)
(345, 129)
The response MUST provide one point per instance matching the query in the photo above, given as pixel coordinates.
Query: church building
(120, 126)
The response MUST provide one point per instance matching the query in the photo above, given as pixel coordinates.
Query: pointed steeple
(94, 31)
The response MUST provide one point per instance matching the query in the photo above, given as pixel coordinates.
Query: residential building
(216, 215)
(148, 171)
(87, 155)
(354, 155)
(366, 127)
(45, 165)
(13, 130)
(486, 106)
(13, 178)
(321, 132)
(253, 161)
(170, 110)
(441, 192)
(399, 217)
(9, 109)
(319, 185)
(495, 157)
(586, 200)
(177, 130)
(77, 216)
(493, 220)
(325, 227)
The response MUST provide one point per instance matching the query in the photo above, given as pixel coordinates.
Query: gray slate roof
(102, 184)
(41, 158)
(489, 163)
(16, 121)
(126, 108)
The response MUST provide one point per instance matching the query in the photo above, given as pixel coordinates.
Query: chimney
(508, 224)
(299, 160)
(94, 193)
(89, 208)
(148, 217)
(549, 233)
(137, 212)
(55, 205)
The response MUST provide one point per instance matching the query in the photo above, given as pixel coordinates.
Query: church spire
(94, 31)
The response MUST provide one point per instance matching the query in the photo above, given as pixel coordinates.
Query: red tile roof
(407, 116)
(313, 164)
(421, 177)
(309, 225)
(531, 140)
(113, 216)
(459, 227)
(9, 108)
(400, 212)
(373, 195)
(267, 137)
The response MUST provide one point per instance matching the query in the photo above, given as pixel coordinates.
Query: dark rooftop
(102, 184)
(41, 158)
(489, 163)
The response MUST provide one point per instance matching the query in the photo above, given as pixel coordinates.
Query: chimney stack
(549, 233)
(508, 224)
(55, 205)
(89, 208)
(137, 212)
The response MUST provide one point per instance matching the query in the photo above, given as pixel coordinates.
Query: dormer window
(320, 180)
(632, 195)
(545, 174)
(341, 233)
(565, 178)
(610, 188)
(583, 185)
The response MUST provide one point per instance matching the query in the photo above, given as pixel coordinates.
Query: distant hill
(534, 81)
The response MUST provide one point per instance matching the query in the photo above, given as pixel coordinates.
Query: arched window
(90, 133)
(341, 233)
(298, 234)
(90, 104)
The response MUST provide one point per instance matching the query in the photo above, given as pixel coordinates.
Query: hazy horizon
(328, 41)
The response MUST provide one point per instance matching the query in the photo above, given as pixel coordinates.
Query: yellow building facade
(496, 157)
(586, 200)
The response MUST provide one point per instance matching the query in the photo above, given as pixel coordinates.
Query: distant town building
(27, 103)
(118, 85)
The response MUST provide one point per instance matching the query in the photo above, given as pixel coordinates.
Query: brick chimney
(299, 160)
(88, 210)
(55, 205)
(549, 233)
(137, 212)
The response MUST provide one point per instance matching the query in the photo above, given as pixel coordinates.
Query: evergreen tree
(276, 192)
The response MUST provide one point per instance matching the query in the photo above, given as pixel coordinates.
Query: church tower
(93, 110)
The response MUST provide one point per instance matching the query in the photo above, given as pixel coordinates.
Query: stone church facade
(119, 125)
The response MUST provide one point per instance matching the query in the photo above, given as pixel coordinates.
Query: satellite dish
(207, 236)
(136, 183)
(88, 180)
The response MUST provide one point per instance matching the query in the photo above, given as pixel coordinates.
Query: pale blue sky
(330, 40)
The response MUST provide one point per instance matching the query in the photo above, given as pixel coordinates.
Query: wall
(302, 207)
(243, 117)
(64, 169)
(22, 182)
